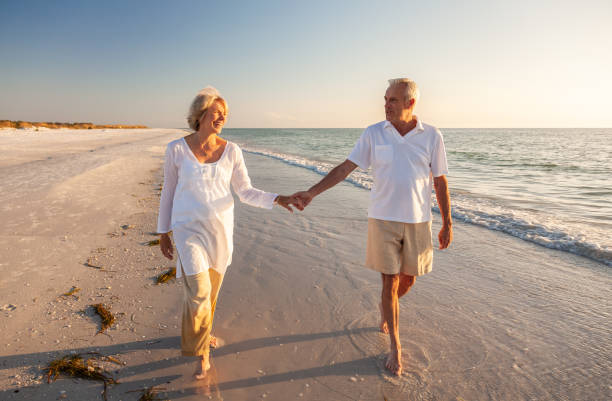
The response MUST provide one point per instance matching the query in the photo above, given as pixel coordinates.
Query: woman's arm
(241, 183)
(165, 203)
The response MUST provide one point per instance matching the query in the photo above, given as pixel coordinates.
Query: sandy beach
(497, 319)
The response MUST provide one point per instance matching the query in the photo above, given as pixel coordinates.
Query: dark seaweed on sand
(148, 394)
(153, 242)
(72, 291)
(167, 276)
(107, 318)
(90, 264)
(76, 366)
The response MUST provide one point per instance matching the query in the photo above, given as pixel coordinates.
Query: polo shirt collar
(417, 129)
(419, 125)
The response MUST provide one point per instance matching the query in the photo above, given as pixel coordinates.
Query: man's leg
(383, 322)
(405, 283)
(390, 307)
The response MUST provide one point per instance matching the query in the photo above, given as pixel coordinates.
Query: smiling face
(397, 108)
(213, 120)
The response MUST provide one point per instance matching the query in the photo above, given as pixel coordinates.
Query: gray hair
(411, 90)
(200, 104)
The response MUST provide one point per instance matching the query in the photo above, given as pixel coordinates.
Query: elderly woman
(198, 208)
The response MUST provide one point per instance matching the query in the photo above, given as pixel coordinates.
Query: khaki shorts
(395, 247)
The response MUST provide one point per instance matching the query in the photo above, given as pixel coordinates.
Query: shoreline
(497, 318)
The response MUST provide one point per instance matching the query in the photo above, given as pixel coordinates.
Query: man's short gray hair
(411, 88)
(203, 100)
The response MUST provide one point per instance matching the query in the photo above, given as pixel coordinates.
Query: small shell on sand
(91, 262)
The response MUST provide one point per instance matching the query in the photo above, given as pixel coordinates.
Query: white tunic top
(197, 205)
(402, 168)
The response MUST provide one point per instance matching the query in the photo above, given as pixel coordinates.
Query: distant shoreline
(57, 125)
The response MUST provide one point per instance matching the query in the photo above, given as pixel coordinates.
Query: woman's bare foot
(383, 324)
(394, 364)
(202, 368)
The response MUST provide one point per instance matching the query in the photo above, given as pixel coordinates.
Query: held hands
(287, 201)
(299, 199)
(305, 197)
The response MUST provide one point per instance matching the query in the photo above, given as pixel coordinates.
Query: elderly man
(404, 154)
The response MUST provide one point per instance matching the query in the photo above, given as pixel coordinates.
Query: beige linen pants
(199, 301)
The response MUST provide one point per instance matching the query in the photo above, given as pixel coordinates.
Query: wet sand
(498, 318)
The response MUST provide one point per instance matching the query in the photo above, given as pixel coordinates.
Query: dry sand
(497, 319)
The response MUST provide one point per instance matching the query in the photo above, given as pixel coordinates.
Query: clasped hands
(299, 200)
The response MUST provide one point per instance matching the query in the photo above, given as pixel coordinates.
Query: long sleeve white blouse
(198, 207)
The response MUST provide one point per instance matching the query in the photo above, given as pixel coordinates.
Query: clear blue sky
(535, 63)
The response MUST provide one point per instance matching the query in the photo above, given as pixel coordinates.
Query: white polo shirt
(403, 168)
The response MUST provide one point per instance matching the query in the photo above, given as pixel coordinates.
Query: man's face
(395, 105)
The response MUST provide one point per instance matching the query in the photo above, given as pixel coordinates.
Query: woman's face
(214, 118)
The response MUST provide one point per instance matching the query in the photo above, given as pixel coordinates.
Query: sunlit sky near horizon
(535, 63)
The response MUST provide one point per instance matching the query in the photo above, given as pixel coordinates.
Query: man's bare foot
(383, 324)
(202, 368)
(394, 364)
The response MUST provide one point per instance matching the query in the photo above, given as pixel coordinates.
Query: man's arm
(445, 237)
(336, 175)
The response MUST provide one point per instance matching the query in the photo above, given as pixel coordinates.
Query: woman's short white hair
(411, 90)
(203, 100)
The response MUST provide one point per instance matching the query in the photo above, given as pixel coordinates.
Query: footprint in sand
(415, 358)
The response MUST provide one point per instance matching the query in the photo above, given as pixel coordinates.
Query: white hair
(200, 104)
(411, 90)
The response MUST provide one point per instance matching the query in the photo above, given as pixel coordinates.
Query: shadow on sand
(365, 366)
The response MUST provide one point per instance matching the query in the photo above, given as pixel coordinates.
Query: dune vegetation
(55, 125)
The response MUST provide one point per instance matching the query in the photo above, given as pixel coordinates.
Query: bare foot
(383, 324)
(393, 364)
(213, 341)
(202, 369)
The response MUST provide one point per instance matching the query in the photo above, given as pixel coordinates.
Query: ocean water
(552, 187)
